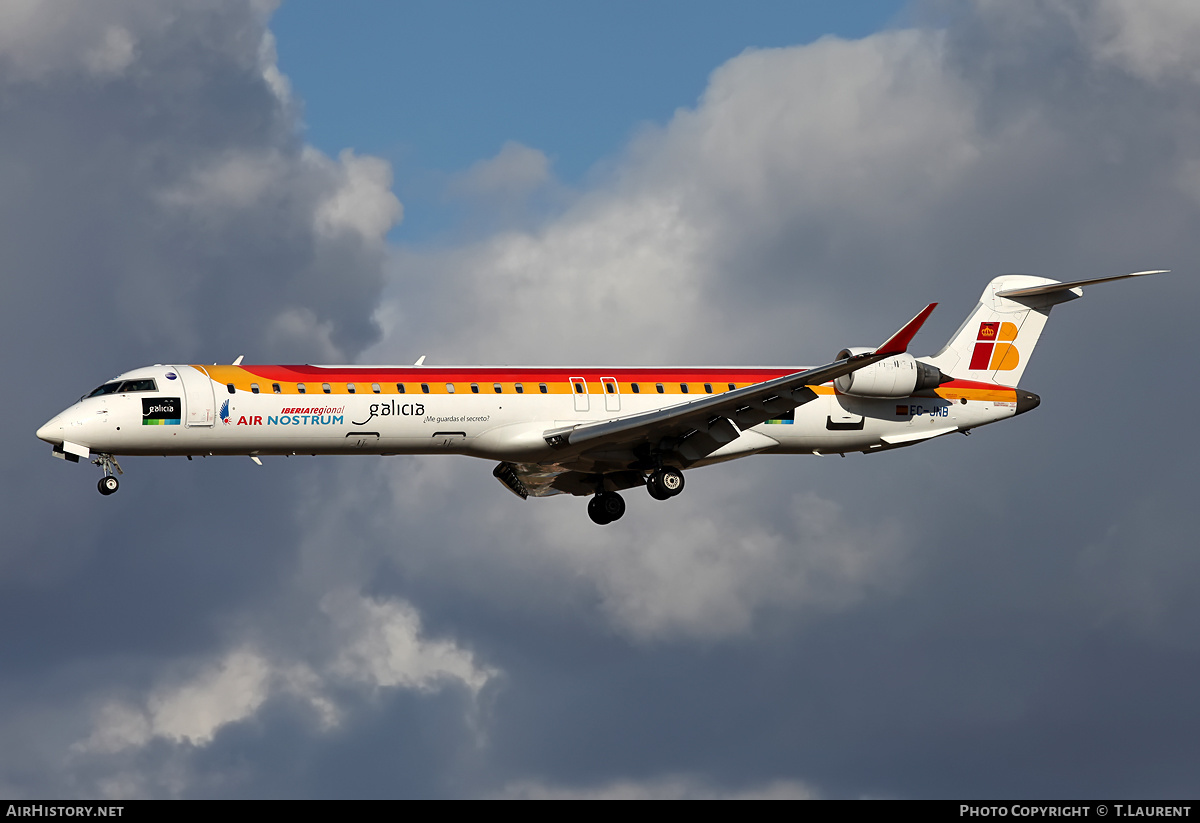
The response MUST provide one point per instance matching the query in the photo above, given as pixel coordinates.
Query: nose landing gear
(108, 483)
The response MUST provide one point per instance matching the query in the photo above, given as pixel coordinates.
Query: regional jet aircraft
(586, 430)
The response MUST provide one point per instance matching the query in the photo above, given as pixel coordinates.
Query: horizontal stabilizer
(1051, 288)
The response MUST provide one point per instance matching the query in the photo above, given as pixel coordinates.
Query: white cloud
(516, 170)
(363, 201)
(238, 179)
(377, 644)
(704, 566)
(648, 264)
(224, 692)
(1155, 40)
(268, 58)
(95, 38)
(700, 574)
(675, 787)
(294, 328)
(112, 55)
(385, 648)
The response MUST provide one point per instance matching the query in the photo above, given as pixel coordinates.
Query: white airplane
(586, 430)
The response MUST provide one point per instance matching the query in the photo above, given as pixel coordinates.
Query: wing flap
(531, 480)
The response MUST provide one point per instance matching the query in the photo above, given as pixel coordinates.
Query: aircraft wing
(696, 429)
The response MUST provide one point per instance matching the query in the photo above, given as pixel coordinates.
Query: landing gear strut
(606, 507)
(664, 483)
(108, 483)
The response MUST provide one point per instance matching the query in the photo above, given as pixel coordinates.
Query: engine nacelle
(897, 376)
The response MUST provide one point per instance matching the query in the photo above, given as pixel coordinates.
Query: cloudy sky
(1009, 615)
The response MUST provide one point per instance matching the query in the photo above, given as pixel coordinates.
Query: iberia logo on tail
(994, 349)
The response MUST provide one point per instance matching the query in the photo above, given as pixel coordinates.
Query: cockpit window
(145, 384)
(107, 388)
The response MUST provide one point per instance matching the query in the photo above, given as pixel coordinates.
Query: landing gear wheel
(665, 483)
(606, 507)
(108, 483)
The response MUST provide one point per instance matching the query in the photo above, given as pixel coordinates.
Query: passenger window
(579, 388)
(400, 388)
(325, 388)
(449, 388)
(350, 388)
(542, 388)
(637, 389)
(610, 388)
(731, 387)
(230, 387)
(300, 388)
(708, 388)
(496, 386)
(425, 388)
(683, 387)
(520, 388)
(254, 388)
(375, 388)
(659, 386)
(275, 388)
(474, 388)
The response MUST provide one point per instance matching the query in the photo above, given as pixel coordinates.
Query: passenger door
(612, 394)
(198, 395)
(579, 390)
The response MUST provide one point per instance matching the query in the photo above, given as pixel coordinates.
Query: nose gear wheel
(108, 483)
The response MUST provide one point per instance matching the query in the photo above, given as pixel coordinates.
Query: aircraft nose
(51, 432)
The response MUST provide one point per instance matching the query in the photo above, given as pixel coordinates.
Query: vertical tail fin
(993, 345)
(995, 342)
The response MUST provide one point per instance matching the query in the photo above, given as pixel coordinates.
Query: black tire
(613, 505)
(606, 507)
(597, 513)
(670, 481)
(654, 486)
(108, 485)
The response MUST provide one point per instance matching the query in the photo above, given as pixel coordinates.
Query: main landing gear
(664, 483)
(606, 507)
(108, 483)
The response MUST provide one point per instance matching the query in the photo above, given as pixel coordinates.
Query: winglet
(898, 342)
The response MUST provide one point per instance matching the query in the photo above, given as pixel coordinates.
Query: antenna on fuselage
(238, 362)
(420, 361)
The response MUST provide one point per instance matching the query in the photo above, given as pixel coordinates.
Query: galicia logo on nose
(160, 411)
